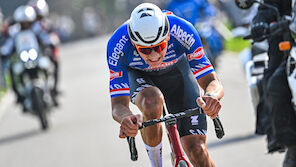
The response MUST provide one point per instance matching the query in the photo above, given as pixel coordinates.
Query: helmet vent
(143, 10)
(145, 14)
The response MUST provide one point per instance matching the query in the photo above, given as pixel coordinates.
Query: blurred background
(80, 18)
(82, 132)
(84, 18)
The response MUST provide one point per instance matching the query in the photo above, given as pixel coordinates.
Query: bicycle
(170, 120)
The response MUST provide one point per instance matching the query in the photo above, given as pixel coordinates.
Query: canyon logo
(197, 54)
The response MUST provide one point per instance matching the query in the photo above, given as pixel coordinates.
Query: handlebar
(131, 140)
(179, 115)
(272, 30)
(248, 37)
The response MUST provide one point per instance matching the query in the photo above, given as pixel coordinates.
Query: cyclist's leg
(149, 100)
(196, 150)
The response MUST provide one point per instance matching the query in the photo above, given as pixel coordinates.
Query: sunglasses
(148, 49)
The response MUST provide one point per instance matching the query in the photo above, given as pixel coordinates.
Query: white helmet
(148, 25)
(24, 14)
(40, 6)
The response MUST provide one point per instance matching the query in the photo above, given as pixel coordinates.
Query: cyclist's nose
(154, 53)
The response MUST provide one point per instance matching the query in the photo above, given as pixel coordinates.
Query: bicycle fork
(171, 126)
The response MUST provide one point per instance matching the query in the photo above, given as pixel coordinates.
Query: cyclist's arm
(129, 123)
(120, 108)
(211, 85)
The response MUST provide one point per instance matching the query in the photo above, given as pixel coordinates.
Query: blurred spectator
(201, 14)
(91, 21)
(237, 16)
(1, 20)
(64, 26)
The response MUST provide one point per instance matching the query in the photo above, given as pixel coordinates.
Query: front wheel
(39, 107)
(182, 163)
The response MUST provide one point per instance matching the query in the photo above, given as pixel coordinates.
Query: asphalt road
(83, 134)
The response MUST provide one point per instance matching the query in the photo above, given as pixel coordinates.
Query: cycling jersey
(179, 95)
(122, 54)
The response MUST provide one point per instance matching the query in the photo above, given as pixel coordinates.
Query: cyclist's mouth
(154, 61)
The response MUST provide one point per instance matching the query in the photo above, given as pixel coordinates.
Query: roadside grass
(236, 44)
(2, 92)
(3, 89)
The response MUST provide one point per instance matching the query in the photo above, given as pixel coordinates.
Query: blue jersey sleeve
(119, 84)
(199, 63)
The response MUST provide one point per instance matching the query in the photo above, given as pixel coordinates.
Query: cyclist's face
(26, 25)
(154, 55)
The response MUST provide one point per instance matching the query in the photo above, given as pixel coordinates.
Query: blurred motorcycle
(33, 75)
(283, 24)
(254, 61)
(291, 71)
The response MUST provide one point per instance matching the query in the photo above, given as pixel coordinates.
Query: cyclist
(281, 131)
(157, 57)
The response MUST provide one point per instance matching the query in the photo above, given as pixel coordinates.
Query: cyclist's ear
(168, 37)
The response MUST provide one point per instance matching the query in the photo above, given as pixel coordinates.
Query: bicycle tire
(39, 107)
(182, 163)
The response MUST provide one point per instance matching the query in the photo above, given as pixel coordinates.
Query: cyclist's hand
(259, 29)
(130, 125)
(210, 105)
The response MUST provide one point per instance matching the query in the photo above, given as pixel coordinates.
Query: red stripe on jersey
(202, 69)
(114, 90)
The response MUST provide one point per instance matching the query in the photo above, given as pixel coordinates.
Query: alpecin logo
(184, 37)
(197, 54)
(114, 74)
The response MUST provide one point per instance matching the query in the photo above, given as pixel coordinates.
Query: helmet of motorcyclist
(148, 25)
(24, 14)
(41, 7)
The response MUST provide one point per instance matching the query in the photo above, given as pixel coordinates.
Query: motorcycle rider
(23, 16)
(281, 129)
(43, 25)
(198, 12)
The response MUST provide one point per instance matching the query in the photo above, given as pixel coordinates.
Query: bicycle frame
(177, 150)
